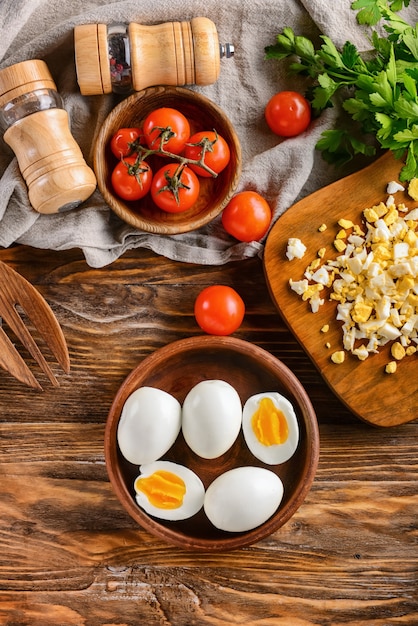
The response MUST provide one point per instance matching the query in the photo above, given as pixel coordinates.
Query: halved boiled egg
(270, 427)
(211, 418)
(149, 425)
(243, 498)
(168, 490)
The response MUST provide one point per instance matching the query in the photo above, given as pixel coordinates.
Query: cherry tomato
(123, 141)
(219, 310)
(217, 153)
(288, 113)
(175, 188)
(247, 216)
(167, 126)
(131, 180)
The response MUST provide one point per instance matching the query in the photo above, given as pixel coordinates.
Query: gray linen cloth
(281, 170)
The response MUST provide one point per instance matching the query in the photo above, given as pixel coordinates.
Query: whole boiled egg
(211, 418)
(270, 427)
(243, 498)
(149, 425)
(168, 490)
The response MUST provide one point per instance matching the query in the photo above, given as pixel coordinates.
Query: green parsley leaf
(409, 171)
(410, 39)
(408, 135)
(406, 109)
(324, 92)
(368, 12)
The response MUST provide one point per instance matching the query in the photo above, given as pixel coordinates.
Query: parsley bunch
(379, 88)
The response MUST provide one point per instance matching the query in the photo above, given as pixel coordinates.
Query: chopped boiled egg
(393, 187)
(413, 188)
(374, 281)
(338, 356)
(295, 248)
(391, 367)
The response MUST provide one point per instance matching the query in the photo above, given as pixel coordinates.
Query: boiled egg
(295, 248)
(168, 490)
(270, 427)
(243, 498)
(211, 418)
(149, 425)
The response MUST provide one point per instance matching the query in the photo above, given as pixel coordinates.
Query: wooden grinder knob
(173, 53)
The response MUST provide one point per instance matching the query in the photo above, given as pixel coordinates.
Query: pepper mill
(130, 57)
(36, 127)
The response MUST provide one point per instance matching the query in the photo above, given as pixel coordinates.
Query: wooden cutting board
(363, 386)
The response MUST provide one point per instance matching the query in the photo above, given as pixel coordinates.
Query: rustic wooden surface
(71, 556)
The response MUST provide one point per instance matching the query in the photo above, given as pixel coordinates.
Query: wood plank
(72, 556)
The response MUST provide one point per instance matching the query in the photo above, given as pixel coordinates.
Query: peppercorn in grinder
(130, 57)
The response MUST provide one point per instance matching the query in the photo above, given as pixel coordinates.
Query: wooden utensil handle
(51, 161)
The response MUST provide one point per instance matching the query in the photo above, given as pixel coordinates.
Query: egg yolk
(269, 423)
(163, 489)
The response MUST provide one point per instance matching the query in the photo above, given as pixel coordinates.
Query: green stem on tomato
(143, 154)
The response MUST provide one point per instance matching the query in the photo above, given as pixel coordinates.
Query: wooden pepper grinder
(36, 127)
(129, 57)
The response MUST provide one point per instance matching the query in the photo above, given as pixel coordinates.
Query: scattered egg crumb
(345, 223)
(322, 228)
(295, 248)
(325, 328)
(373, 280)
(391, 367)
(338, 356)
(339, 245)
(394, 187)
(397, 351)
(328, 345)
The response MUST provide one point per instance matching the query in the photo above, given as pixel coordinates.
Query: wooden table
(70, 555)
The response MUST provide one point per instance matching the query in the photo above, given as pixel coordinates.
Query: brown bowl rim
(172, 224)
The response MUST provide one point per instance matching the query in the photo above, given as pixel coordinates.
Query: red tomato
(131, 180)
(175, 188)
(288, 113)
(123, 141)
(247, 216)
(167, 126)
(219, 310)
(216, 156)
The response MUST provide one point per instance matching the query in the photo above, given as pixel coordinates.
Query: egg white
(149, 425)
(276, 453)
(193, 498)
(243, 498)
(211, 418)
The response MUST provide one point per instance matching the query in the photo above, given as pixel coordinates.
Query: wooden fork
(16, 291)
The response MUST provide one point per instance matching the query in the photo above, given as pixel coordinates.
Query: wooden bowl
(202, 114)
(176, 368)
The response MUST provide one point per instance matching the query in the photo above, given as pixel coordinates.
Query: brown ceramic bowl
(202, 114)
(176, 368)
